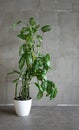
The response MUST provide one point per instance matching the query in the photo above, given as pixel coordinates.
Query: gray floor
(41, 118)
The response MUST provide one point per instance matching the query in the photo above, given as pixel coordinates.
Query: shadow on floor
(7, 111)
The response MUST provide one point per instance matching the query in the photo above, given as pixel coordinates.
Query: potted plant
(32, 63)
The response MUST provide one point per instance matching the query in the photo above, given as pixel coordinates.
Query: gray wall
(62, 43)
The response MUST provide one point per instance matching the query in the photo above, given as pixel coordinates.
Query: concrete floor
(41, 118)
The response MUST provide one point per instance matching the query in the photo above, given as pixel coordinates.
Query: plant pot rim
(22, 100)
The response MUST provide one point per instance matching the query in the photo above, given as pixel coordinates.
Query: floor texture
(41, 118)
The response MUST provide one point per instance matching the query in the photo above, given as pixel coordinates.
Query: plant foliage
(32, 63)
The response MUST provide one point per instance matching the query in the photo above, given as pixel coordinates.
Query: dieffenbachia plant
(32, 63)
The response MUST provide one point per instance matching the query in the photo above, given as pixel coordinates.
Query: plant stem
(16, 90)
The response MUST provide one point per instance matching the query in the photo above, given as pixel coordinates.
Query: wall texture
(62, 43)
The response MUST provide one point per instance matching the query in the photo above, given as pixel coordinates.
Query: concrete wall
(62, 43)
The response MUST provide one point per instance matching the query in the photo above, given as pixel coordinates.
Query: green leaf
(33, 55)
(40, 38)
(39, 87)
(39, 95)
(28, 59)
(51, 89)
(25, 30)
(29, 39)
(37, 26)
(18, 22)
(34, 29)
(24, 48)
(22, 36)
(20, 50)
(21, 62)
(48, 63)
(53, 93)
(46, 28)
(32, 21)
(44, 71)
(44, 85)
(47, 60)
(44, 77)
(15, 24)
(15, 80)
(47, 57)
(15, 71)
(11, 73)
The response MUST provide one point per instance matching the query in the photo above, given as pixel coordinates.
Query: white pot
(22, 107)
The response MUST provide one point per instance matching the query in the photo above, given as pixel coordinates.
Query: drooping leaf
(21, 62)
(39, 87)
(44, 85)
(46, 28)
(51, 89)
(39, 95)
(22, 49)
(15, 80)
(15, 71)
(11, 73)
(53, 93)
